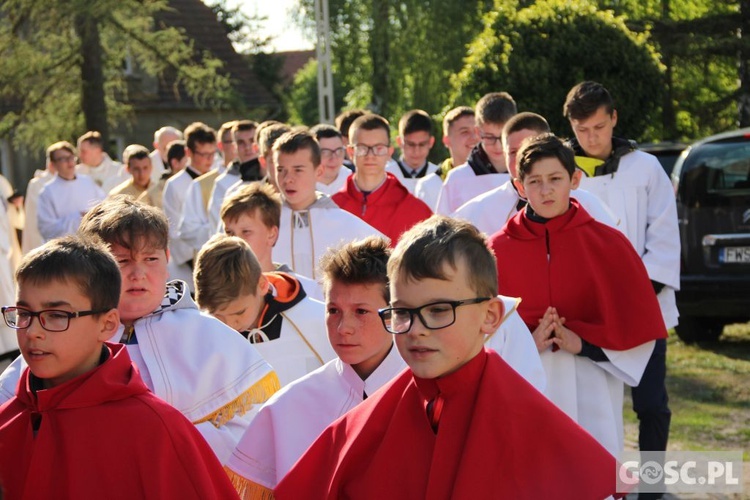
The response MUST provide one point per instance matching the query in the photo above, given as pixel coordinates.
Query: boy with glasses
(371, 193)
(485, 168)
(459, 423)
(332, 155)
(81, 404)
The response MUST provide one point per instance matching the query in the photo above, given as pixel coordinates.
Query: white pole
(323, 49)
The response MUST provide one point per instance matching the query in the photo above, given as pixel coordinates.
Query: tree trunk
(93, 101)
(380, 54)
(743, 101)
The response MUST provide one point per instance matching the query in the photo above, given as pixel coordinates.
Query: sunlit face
(296, 177)
(512, 145)
(90, 154)
(244, 141)
(144, 278)
(491, 135)
(354, 327)
(242, 313)
(251, 228)
(594, 133)
(202, 158)
(436, 353)
(547, 187)
(164, 141)
(57, 357)
(416, 147)
(227, 147)
(65, 163)
(332, 154)
(140, 169)
(461, 139)
(370, 165)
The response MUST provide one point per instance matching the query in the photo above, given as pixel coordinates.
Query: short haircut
(415, 120)
(92, 137)
(526, 121)
(226, 127)
(423, 251)
(454, 115)
(344, 120)
(60, 146)
(585, 98)
(325, 131)
(370, 121)
(260, 128)
(123, 221)
(85, 262)
(166, 130)
(175, 150)
(199, 133)
(243, 126)
(294, 141)
(543, 146)
(225, 269)
(268, 136)
(256, 197)
(362, 262)
(134, 152)
(495, 108)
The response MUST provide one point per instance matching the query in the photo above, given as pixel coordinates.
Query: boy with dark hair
(332, 155)
(459, 423)
(485, 167)
(582, 317)
(415, 138)
(140, 186)
(270, 309)
(371, 193)
(638, 191)
(176, 157)
(356, 286)
(163, 137)
(78, 388)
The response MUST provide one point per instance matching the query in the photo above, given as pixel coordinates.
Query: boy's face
(547, 187)
(491, 135)
(436, 353)
(594, 133)
(140, 169)
(202, 158)
(416, 147)
(57, 357)
(178, 165)
(370, 165)
(144, 278)
(296, 177)
(251, 228)
(331, 157)
(227, 148)
(244, 141)
(512, 145)
(242, 313)
(461, 139)
(64, 163)
(354, 327)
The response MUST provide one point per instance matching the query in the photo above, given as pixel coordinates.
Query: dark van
(712, 184)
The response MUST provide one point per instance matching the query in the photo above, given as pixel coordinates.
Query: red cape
(103, 435)
(497, 438)
(593, 276)
(391, 209)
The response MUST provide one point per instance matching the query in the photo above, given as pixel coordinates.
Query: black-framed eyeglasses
(434, 316)
(377, 150)
(326, 153)
(52, 320)
(490, 140)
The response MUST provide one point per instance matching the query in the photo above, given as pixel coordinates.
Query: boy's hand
(543, 333)
(565, 338)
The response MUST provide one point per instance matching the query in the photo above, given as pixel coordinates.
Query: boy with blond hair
(271, 310)
(430, 427)
(80, 402)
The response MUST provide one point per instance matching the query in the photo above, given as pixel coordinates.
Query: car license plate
(735, 255)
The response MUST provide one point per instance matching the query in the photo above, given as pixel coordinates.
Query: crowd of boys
(269, 311)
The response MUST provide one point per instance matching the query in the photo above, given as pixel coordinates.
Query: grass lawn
(709, 395)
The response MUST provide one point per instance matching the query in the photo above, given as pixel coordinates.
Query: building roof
(293, 61)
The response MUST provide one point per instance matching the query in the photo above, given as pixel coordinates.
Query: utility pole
(323, 49)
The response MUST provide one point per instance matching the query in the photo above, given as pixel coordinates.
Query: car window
(716, 169)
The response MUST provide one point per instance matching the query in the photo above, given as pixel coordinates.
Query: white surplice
(462, 184)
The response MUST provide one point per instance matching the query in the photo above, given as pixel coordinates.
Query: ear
(108, 324)
(494, 316)
(262, 160)
(432, 141)
(350, 150)
(400, 141)
(519, 187)
(256, 148)
(575, 180)
(273, 236)
(263, 285)
(446, 141)
(168, 256)
(319, 172)
(614, 118)
(391, 149)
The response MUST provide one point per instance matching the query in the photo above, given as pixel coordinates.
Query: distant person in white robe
(141, 186)
(96, 163)
(159, 161)
(415, 139)
(332, 155)
(8, 343)
(31, 237)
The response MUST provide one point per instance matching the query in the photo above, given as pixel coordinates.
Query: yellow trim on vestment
(257, 394)
(246, 489)
(588, 165)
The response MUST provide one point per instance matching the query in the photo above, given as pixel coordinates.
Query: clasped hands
(552, 331)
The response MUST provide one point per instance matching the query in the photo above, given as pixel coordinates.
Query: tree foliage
(44, 65)
(538, 53)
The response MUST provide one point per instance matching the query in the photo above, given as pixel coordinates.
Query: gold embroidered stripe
(257, 394)
(248, 490)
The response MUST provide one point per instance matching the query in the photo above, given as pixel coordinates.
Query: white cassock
(306, 235)
(294, 417)
(591, 393)
(195, 363)
(194, 227)
(409, 183)
(8, 340)
(337, 184)
(230, 176)
(180, 252)
(462, 184)
(514, 343)
(107, 175)
(489, 211)
(62, 204)
(428, 190)
(642, 197)
(31, 238)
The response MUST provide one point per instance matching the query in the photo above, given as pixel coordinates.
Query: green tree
(301, 97)
(61, 65)
(539, 52)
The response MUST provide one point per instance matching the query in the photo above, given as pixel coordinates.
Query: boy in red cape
(460, 423)
(82, 423)
(586, 296)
